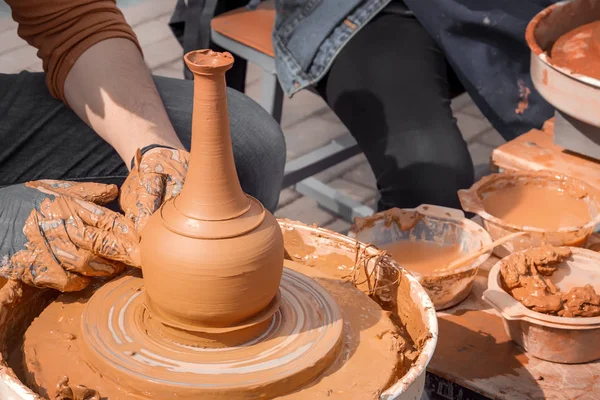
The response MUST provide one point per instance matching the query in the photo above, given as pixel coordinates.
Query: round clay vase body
(212, 257)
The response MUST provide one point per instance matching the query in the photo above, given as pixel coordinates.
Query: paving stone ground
(307, 121)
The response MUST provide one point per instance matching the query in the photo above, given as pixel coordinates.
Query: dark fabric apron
(484, 41)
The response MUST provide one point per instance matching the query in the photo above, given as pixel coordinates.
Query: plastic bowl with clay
(472, 201)
(405, 298)
(548, 337)
(437, 225)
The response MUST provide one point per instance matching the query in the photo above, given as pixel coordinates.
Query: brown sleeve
(62, 30)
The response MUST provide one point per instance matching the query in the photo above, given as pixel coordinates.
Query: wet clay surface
(527, 278)
(453, 328)
(392, 294)
(579, 50)
(300, 340)
(422, 257)
(537, 206)
(335, 264)
(368, 358)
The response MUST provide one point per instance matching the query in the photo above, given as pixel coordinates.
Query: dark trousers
(391, 87)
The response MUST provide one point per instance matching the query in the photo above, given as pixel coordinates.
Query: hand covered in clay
(156, 176)
(54, 234)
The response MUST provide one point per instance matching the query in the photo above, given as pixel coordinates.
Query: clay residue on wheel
(76, 392)
(406, 315)
(374, 352)
(386, 285)
(295, 248)
(526, 276)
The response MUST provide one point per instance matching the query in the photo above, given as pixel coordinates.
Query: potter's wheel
(113, 349)
(301, 339)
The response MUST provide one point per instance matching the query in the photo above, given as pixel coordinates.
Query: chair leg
(324, 157)
(271, 97)
(333, 200)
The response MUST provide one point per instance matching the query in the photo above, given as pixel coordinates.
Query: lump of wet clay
(77, 392)
(526, 278)
(581, 302)
(403, 219)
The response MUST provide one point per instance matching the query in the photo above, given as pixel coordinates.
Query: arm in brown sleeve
(62, 30)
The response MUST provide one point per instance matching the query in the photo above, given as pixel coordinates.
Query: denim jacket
(308, 34)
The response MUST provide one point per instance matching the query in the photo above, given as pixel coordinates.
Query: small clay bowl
(437, 225)
(549, 337)
(472, 201)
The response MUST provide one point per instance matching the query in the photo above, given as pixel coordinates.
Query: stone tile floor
(307, 121)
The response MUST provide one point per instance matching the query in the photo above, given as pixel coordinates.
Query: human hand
(156, 177)
(54, 234)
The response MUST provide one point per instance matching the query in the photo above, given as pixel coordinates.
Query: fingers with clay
(94, 192)
(157, 176)
(55, 235)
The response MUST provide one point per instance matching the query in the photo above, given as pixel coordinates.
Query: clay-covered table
(476, 359)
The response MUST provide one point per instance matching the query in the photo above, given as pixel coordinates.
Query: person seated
(97, 115)
(389, 69)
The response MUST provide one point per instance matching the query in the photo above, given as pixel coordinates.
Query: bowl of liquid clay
(423, 241)
(552, 208)
(549, 299)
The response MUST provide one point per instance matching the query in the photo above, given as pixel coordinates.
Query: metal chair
(247, 34)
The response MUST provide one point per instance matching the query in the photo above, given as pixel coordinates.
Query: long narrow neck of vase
(212, 188)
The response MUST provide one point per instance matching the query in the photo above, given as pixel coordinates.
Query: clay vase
(213, 256)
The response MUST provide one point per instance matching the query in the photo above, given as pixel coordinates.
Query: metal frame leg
(333, 200)
(320, 159)
(301, 170)
(271, 98)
